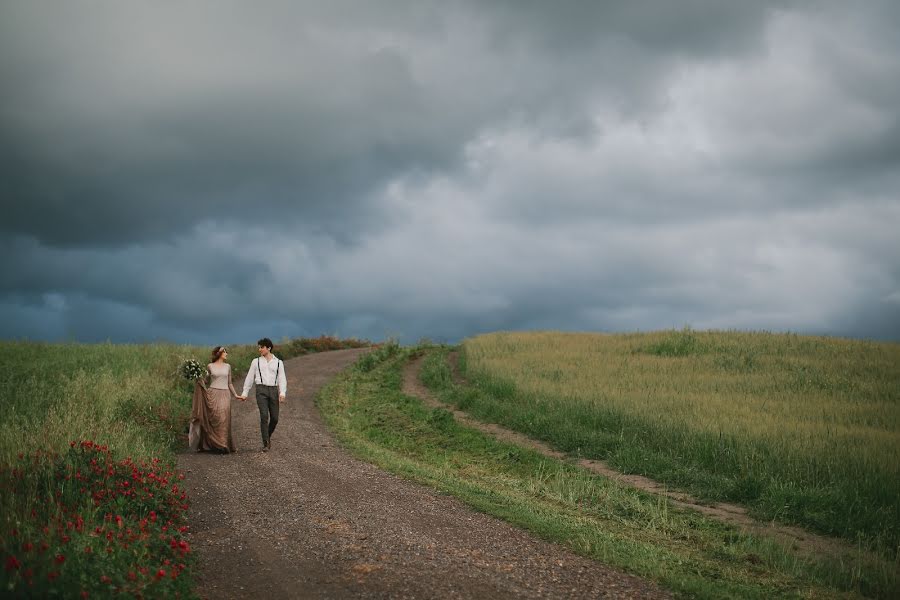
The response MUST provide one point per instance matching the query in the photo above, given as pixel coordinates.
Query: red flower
(27, 546)
(60, 559)
(12, 563)
(161, 573)
(105, 579)
(84, 594)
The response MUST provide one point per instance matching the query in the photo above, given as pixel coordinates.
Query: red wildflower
(60, 558)
(27, 546)
(161, 573)
(105, 579)
(12, 563)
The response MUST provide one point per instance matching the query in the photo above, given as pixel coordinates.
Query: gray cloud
(441, 169)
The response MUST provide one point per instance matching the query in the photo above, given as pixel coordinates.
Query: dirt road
(307, 520)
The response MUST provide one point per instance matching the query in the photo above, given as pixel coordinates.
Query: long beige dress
(210, 427)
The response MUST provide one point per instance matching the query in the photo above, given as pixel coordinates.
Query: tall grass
(802, 429)
(126, 396)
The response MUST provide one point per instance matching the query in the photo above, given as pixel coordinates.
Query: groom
(267, 372)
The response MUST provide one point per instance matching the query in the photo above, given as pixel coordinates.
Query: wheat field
(803, 429)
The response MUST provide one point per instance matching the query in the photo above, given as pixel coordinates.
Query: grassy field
(594, 516)
(88, 435)
(803, 430)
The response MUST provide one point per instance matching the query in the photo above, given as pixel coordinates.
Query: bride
(211, 410)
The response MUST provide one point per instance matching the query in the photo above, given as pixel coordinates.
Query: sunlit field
(801, 429)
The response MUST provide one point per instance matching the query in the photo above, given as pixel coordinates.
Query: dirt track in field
(799, 539)
(307, 520)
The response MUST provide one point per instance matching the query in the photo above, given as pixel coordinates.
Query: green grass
(595, 517)
(803, 430)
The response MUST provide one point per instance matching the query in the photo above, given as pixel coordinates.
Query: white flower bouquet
(192, 370)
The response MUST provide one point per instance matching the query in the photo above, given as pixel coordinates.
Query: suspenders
(277, 372)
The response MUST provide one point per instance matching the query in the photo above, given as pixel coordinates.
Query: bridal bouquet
(192, 370)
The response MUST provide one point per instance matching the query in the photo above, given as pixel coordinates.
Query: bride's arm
(230, 385)
(205, 381)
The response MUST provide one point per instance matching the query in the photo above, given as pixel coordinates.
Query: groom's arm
(248, 380)
(282, 382)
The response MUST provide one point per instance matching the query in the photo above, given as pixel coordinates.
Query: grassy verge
(90, 499)
(800, 429)
(593, 516)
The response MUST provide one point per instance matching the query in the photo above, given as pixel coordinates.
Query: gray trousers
(267, 401)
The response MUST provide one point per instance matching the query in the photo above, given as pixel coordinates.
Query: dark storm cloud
(439, 169)
(132, 123)
(692, 27)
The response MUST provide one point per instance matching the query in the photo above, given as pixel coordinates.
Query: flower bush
(323, 343)
(84, 524)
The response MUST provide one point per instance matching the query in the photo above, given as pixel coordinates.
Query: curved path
(307, 520)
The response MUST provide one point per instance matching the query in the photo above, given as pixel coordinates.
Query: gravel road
(307, 520)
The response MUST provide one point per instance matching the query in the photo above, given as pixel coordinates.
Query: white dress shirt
(267, 368)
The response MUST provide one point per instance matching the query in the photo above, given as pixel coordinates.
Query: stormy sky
(218, 171)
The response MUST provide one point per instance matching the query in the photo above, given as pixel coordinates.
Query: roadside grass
(88, 484)
(802, 430)
(594, 516)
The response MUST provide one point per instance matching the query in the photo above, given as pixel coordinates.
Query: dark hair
(265, 342)
(217, 352)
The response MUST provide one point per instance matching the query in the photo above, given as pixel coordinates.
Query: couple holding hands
(210, 427)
